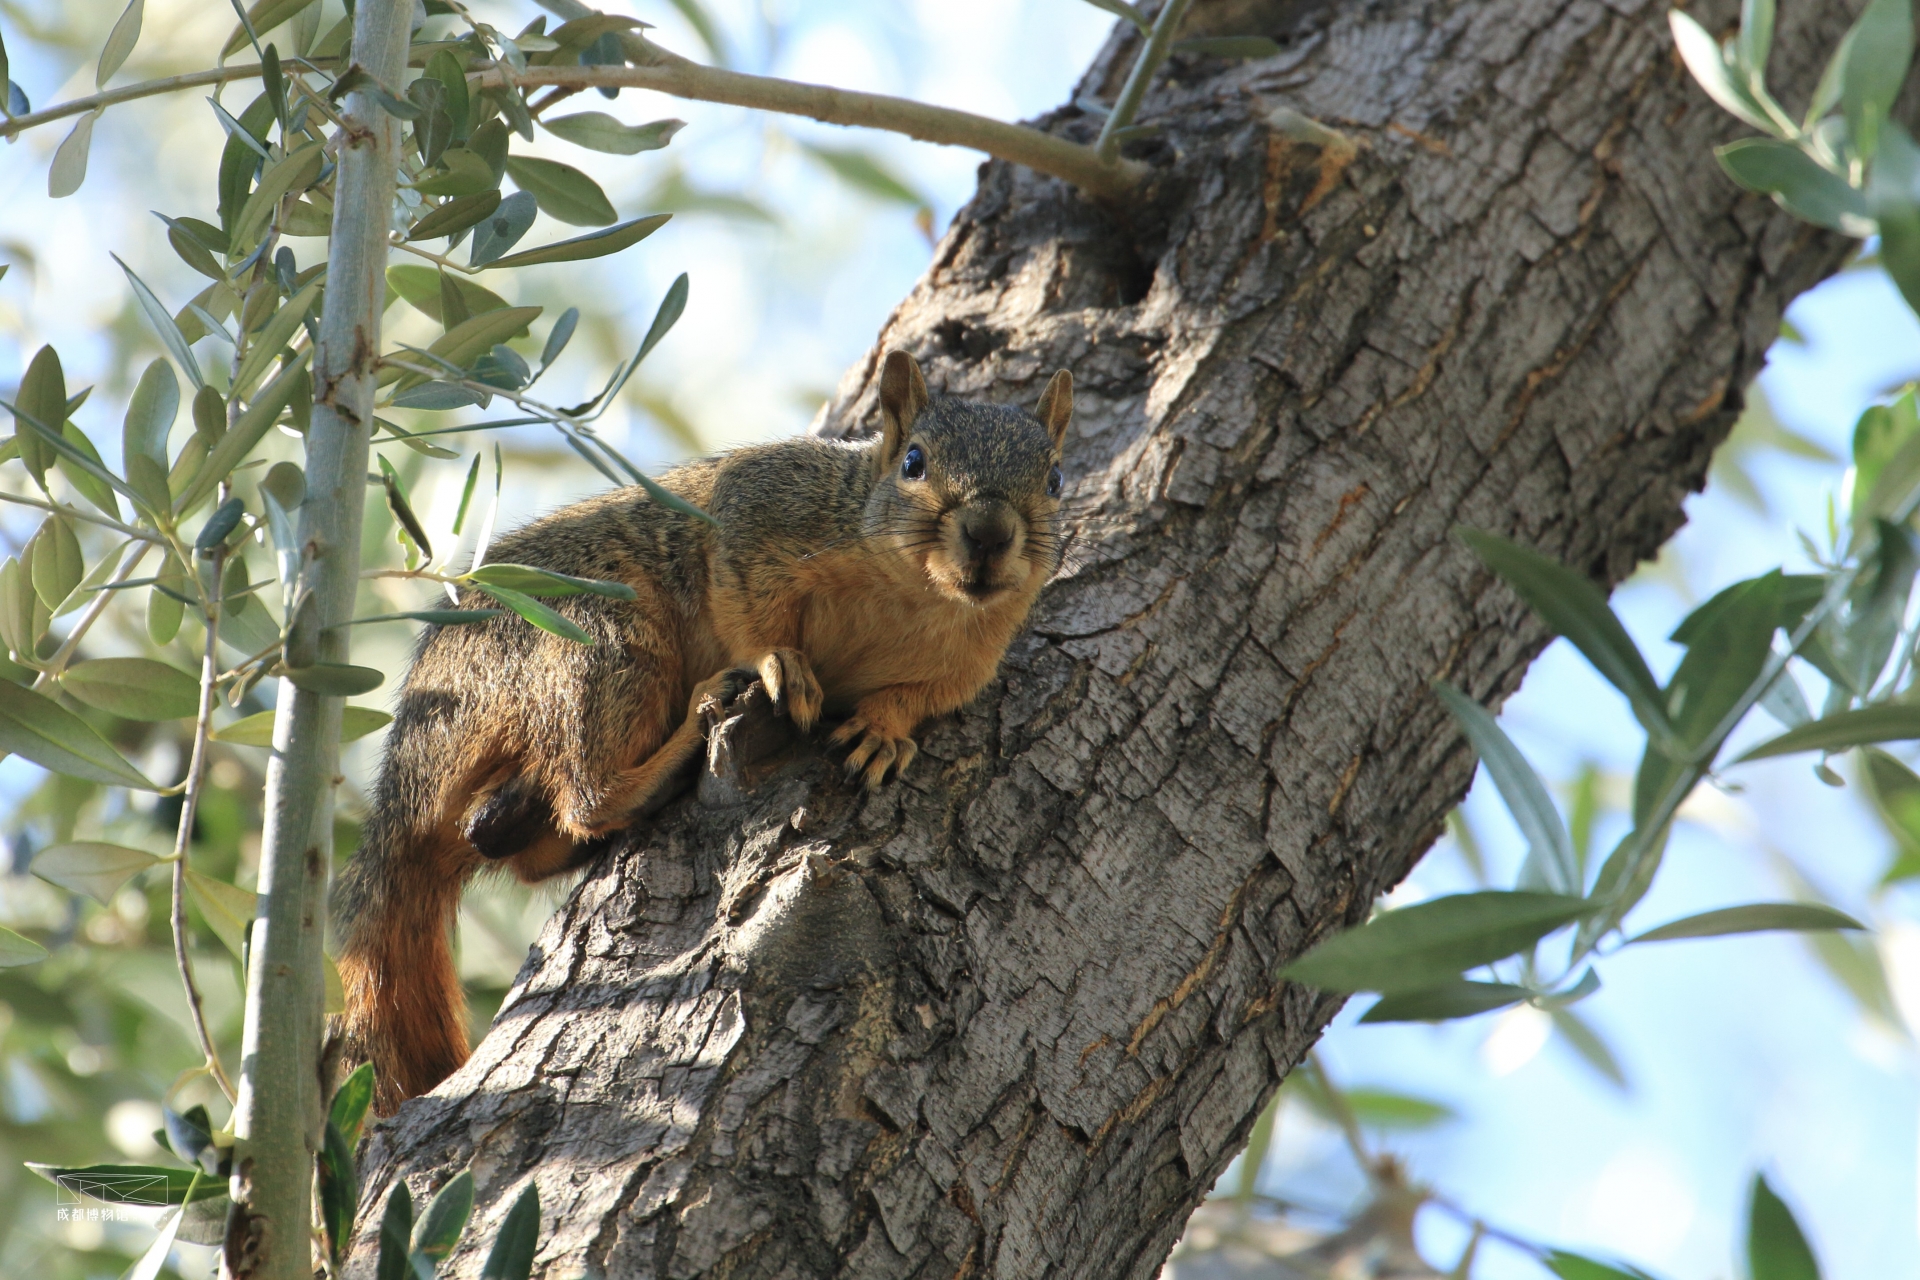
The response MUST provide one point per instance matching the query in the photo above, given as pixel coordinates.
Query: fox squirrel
(880, 581)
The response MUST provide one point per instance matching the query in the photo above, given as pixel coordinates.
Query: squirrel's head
(969, 491)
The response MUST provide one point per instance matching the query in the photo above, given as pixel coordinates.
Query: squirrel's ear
(903, 394)
(1055, 409)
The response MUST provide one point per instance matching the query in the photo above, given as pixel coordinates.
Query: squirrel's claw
(791, 684)
(874, 752)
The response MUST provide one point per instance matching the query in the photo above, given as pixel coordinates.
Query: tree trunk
(1013, 1015)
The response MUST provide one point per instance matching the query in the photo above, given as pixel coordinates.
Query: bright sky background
(1742, 1054)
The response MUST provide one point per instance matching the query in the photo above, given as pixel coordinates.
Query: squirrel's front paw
(790, 682)
(718, 691)
(875, 751)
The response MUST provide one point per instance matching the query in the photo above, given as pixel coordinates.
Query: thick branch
(1013, 1015)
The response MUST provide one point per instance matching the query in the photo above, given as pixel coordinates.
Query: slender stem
(189, 807)
(1152, 54)
(1041, 152)
(75, 513)
(397, 242)
(278, 1117)
(64, 654)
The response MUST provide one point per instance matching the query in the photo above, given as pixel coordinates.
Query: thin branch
(190, 804)
(64, 654)
(1152, 54)
(1041, 152)
(76, 513)
(17, 125)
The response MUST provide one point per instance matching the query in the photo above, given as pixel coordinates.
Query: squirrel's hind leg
(638, 791)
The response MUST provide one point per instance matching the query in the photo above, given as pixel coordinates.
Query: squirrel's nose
(985, 534)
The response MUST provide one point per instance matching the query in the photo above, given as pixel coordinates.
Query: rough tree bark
(1013, 1015)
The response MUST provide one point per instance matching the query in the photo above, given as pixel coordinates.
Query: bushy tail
(406, 1013)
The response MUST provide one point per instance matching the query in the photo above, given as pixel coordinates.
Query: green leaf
(133, 688)
(1755, 40)
(1879, 49)
(164, 610)
(473, 475)
(1587, 1043)
(446, 68)
(538, 614)
(273, 337)
(1843, 730)
(69, 168)
(42, 397)
(120, 42)
(1893, 196)
(162, 321)
(562, 191)
(348, 1110)
(464, 343)
(1725, 655)
(1550, 864)
(143, 439)
(436, 617)
(1457, 998)
(54, 553)
(219, 526)
(1573, 1266)
(502, 229)
(1122, 9)
(89, 867)
(257, 730)
(39, 729)
(16, 949)
(864, 172)
(235, 445)
(1895, 791)
(339, 1188)
(1385, 1109)
(141, 1184)
(402, 510)
(1758, 917)
(511, 1257)
(86, 479)
(457, 215)
(580, 248)
(1574, 607)
(598, 131)
(1429, 943)
(528, 580)
(420, 286)
(336, 679)
(1798, 183)
(228, 909)
(292, 173)
(263, 17)
(1229, 46)
(439, 1228)
(1776, 1249)
(462, 173)
(1701, 53)
(396, 1225)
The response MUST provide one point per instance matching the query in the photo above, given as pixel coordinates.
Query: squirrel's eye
(1055, 482)
(915, 465)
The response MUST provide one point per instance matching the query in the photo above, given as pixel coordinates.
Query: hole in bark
(969, 342)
